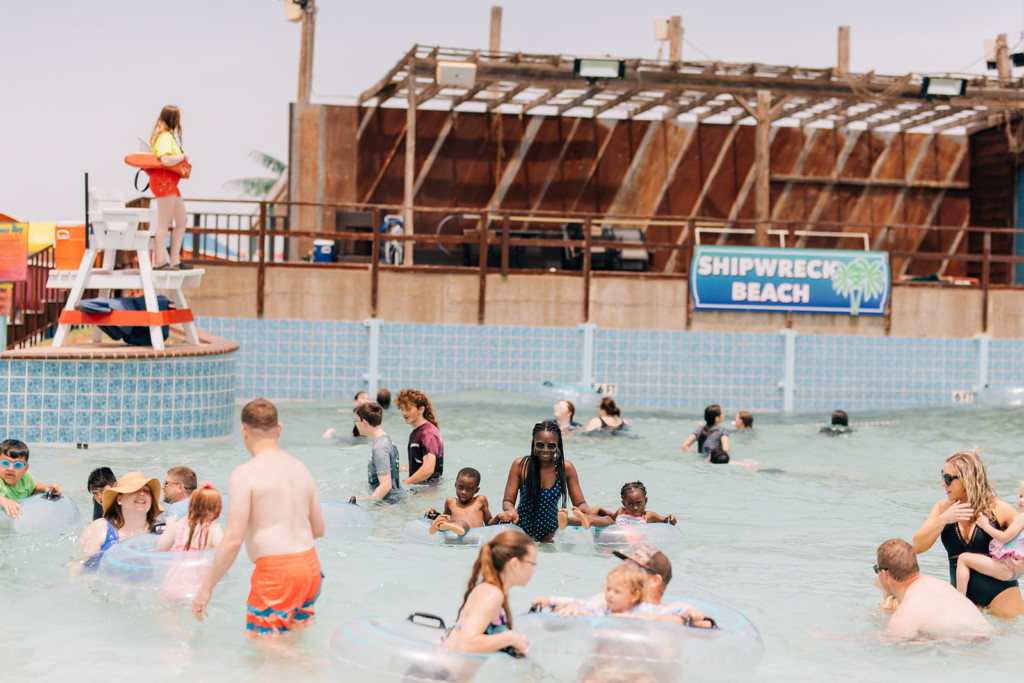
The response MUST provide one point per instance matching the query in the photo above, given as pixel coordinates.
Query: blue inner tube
(418, 531)
(41, 515)
(571, 648)
(621, 537)
(391, 649)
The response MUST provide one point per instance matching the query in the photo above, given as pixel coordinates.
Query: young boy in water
(100, 479)
(466, 509)
(15, 481)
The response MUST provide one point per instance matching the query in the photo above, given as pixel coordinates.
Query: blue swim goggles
(17, 464)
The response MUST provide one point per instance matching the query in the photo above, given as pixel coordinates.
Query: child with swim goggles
(15, 481)
(633, 511)
(1005, 560)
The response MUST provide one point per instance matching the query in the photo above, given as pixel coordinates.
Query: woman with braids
(426, 449)
(484, 621)
(969, 495)
(541, 481)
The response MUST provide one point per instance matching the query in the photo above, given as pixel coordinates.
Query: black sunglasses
(541, 446)
(878, 569)
(948, 478)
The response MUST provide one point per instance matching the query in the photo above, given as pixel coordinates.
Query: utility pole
(843, 61)
(495, 43)
(675, 39)
(306, 51)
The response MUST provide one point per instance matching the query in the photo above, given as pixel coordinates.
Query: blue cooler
(323, 251)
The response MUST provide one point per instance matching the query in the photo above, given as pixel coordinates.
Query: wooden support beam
(694, 103)
(540, 100)
(762, 181)
(507, 97)
(824, 113)
(843, 59)
(386, 81)
(675, 38)
(471, 93)
(590, 92)
(776, 109)
(985, 116)
(557, 166)
(715, 109)
(384, 166)
(614, 102)
(870, 182)
(1003, 58)
(612, 123)
(861, 115)
(924, 120)
(495, 41)
(901, 115)
(434, 152)
(410, 165)
(427, 93)
(657, 102)
(751, 111)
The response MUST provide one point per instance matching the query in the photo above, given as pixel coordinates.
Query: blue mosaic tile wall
(1006, 362)
(295, 359)
(871, 372)
(117, 401)
(291, 359)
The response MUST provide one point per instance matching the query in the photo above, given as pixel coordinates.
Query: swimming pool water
(790, 545)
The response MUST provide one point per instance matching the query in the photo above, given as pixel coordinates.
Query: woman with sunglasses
(969, 495)
(541, 481)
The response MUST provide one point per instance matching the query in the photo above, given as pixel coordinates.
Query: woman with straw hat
(130, 508)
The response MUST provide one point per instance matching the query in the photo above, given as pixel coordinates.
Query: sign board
(13, 252)
(797, 280)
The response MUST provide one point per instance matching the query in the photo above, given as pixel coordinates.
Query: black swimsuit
(981, 589)
(608, 428)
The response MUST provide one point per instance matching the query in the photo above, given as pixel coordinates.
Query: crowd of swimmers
(276, 513)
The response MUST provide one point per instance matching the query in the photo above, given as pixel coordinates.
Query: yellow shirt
(166, 144)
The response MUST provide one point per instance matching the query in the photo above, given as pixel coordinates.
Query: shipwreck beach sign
(798, 280)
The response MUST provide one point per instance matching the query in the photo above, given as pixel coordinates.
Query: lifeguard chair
(116, 228)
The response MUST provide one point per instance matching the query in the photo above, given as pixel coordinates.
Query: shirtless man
(927, 605)
(276, 511)
(465, 510)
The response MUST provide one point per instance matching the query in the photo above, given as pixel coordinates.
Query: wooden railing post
(504, 245)
(261, 262)
(986, 274)
(374, 273)
(481, 304)
(587, 239)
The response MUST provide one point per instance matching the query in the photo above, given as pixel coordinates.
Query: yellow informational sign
(13, 252)
(40, 236)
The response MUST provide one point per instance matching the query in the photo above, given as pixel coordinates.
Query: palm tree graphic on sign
(861, 280)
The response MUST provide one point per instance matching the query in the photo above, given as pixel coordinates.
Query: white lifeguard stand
(116, 228)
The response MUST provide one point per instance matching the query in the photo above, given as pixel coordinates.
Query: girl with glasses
(542, 482)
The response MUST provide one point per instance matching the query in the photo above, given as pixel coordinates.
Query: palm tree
(259, 187)
(860, 280)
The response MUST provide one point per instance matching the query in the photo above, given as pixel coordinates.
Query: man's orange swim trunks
(282, 593)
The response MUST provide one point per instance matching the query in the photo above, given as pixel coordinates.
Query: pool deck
(175, 347)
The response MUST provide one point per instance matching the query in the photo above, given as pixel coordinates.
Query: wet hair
(718, 456)
(360, 393)
(186, 475)
(113, 512)
(609, 407)
(840, 418)
(469, 473)
(13, 448)
(203, 508)
(260, 414)
(572, 408)
(530, 469)
(970, 468)
(411, 398)
(711, 415)
(634, 578)
(633, 486)
(493, 557)
(384, 398)
(746, 418)
(371, 413)
(100, 478)
(169, 120)
(898, 558)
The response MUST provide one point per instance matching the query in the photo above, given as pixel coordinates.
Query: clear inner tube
(418, 531)
(41, 515)
(620, 537)
(134, 570)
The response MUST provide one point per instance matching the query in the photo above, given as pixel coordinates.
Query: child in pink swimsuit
(1005, 559)
(198, 531)
(633, 511)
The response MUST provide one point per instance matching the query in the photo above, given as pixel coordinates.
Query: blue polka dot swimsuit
(546, 521)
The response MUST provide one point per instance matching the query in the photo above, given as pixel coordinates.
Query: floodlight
(593, 69)
(1018, 58)
(934, 86)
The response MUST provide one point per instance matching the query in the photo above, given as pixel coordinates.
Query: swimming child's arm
(43, 488)
(725, 443)
(166, 540)
(1011, 532)
(658, 519)
(689, 442)
(10, 507)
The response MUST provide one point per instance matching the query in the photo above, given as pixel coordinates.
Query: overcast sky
(81, 80)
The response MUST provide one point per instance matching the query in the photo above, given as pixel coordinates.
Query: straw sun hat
(130, 483)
